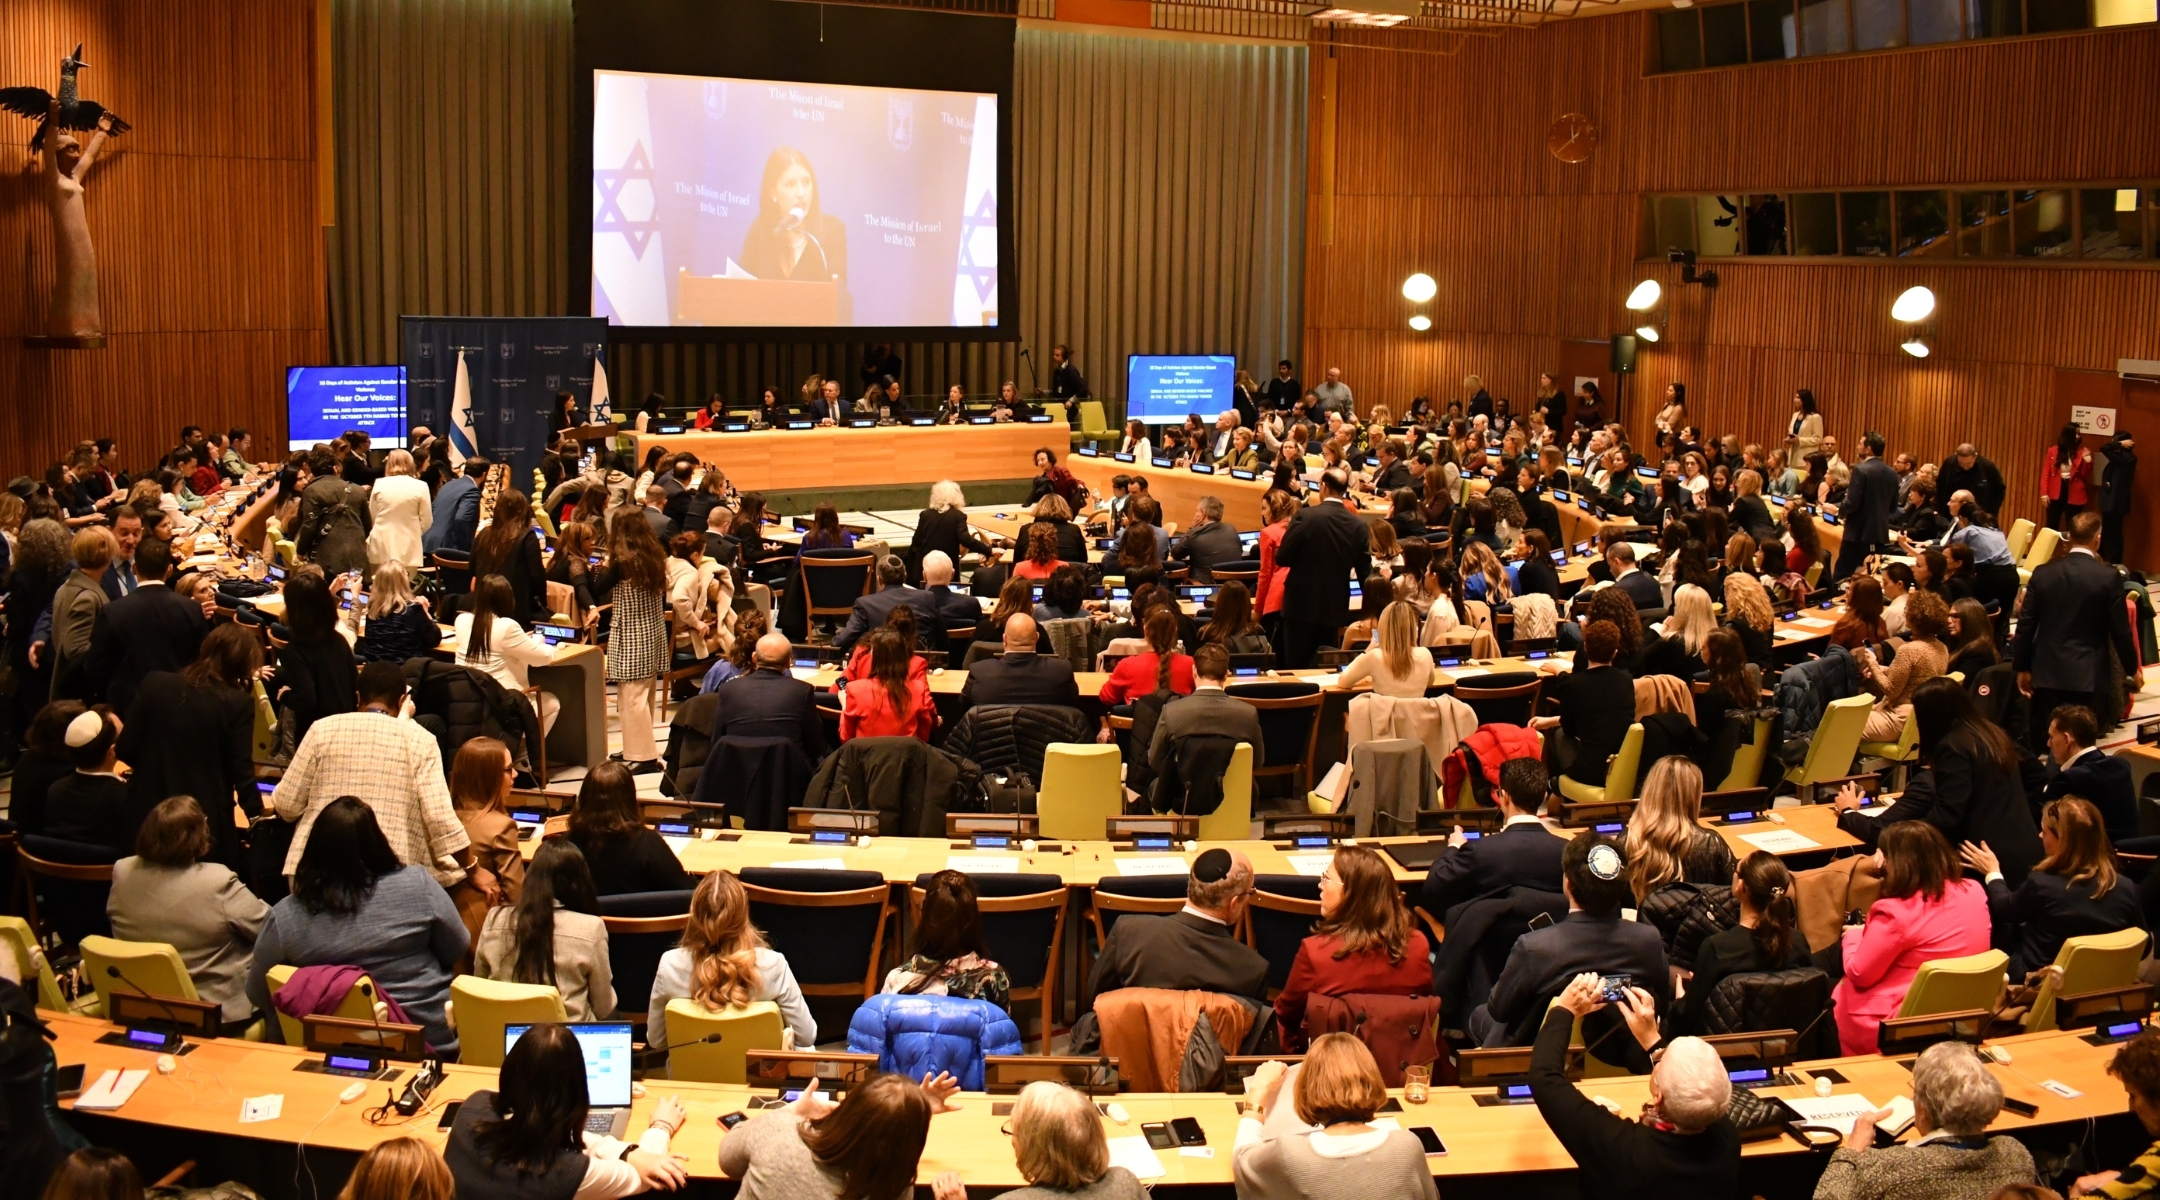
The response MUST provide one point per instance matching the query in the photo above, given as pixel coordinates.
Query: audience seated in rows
(1323, 1143)
(1926, 911)
(553, 935)
(354, 904)
(1592, 937)
(622, 854)
(1365, 943)
(1194, 949)
(724, 963)
(165, 892)
(951, 958)
(526, 1136)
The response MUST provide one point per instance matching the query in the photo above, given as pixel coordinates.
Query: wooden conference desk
(795, 459)
(1083, 864)
(204, 1097)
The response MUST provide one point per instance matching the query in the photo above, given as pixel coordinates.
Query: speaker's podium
(718, 300)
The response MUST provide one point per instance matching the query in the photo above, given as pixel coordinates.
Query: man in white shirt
(381, 757)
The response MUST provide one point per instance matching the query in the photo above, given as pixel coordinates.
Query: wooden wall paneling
(205, 217)
(1444, 169)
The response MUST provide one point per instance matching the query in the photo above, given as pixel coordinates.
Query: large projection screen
(722, 202)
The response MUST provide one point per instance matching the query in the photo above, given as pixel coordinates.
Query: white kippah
(84, 729)
(1604, 862)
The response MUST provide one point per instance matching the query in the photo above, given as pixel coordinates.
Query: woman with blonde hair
(1395, 663)
(1747, 613)
(2076, 890)
(1683, 651)
(402, 1168)
(1483, 576)
(402, 510)
(398, 626)
(1059, 1146)
(1325, 1135)
(1666, 842)
(723, 962)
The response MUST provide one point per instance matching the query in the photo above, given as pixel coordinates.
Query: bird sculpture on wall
(73, 111)
(74, 321)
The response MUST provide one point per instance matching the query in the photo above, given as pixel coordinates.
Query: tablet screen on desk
(555, 635)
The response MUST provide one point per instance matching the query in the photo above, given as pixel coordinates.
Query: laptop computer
(607, 1072)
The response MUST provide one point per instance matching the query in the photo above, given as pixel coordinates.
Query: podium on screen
(718, 300)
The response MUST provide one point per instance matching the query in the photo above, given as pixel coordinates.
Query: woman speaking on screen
(792, 238)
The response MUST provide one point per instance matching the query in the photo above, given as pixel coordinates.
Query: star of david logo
(983, 218)
(610, 218)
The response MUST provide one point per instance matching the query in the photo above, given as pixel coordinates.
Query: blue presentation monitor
(321, 403)
(1162, 389)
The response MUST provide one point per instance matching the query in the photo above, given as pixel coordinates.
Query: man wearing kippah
(1194, 949)
(1593, 937)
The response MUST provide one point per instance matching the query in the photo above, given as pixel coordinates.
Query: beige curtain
(1161, 199)
(1161, 191)
(453, 148)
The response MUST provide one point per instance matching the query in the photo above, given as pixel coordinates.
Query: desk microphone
(367, 989)
(112, 971)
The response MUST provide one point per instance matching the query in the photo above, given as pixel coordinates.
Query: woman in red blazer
(1277, 507)
(1141, 674)
(2062, 477)
(893, 701)
(1365, 943)
(1926, 911)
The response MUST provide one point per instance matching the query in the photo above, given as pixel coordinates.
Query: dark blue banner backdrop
(514, 366)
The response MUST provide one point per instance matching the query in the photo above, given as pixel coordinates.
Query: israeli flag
(463, 442)
(601, 414)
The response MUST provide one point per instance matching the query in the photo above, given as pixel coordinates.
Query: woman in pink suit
(1926, 912)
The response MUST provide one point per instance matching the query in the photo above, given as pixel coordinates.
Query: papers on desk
(261, 1108)
(1839, 1112)
(1135, 1155)
(1309, 864)
(1780, 841)
(806, 674)
(1154, 864)
(816, 864)
(982, 863)
(1814, 622)
(676, 843)
(113, 1088)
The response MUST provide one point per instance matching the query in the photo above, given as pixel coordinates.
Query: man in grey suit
(1209, 710)
(893, 591)
(1870, 498)
(1211, 540)
(2072, 619)
(655, 513)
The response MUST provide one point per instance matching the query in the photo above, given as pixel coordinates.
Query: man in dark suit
(1870, 497)
(2084, 771)
(127, 527)
(1282, 392)
(1326, 546)
(151, 630)
(1195, 949)
(655, 513)
(872, 610)
(1209, 541)
(947, 608)
(1393, 472)
(2073, 612)
(1523, 853)
(1641, 586)
(769, 702)
(1020, 675)
(1967, 470)
(1209, 710)
(826, 408)
(1067, 387)
(1591, 938)
(457, 511)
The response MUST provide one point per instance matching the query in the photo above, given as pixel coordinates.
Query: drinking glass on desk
(1417, 1082)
